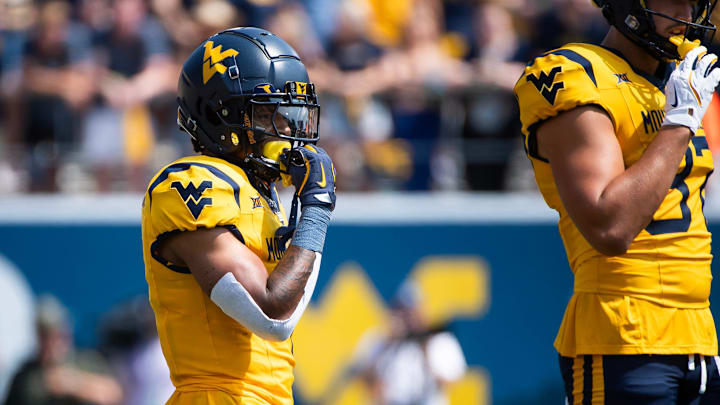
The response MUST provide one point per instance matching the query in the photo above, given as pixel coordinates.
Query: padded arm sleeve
(237, 303)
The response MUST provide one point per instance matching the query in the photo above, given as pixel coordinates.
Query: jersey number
(661, 226)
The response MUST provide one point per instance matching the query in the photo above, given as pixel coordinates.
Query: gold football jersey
(205, 349)
(653, 298)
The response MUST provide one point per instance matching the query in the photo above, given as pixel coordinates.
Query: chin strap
(284, 233)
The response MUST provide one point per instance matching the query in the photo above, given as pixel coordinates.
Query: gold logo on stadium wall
(212, 60)
(451, 286)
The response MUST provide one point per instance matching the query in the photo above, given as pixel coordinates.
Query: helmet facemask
(261, 118)
(635, 20)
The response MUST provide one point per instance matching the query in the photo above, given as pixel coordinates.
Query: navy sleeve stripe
(532, 143)
(154, 253)
(155, 246)
(233, 229)
(179, 167)
(579, 59)
(532, 148)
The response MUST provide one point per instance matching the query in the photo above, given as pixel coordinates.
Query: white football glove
(690, 88)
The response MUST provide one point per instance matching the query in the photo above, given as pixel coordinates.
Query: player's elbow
(277, 334)
(611, 247)
(236, 302)
(273, 330)
(267, 328)
(276, 310)
(610, 242)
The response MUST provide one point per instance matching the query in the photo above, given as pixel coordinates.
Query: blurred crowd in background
(415, 94)
(127, 368)
(409, 362)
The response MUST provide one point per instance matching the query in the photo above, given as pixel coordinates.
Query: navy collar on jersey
(265, 189)
(663, 70)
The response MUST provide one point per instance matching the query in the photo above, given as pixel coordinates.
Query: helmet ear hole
(198, 106)
(211, 116)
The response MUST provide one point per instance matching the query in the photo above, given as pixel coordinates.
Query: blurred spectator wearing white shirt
(412, 365)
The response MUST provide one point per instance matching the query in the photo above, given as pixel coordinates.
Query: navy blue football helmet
(241, 86)
(635, 21)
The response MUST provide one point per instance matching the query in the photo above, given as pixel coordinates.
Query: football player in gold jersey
(226, 289)
(615, 137)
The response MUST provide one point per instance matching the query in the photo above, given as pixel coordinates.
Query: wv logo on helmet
(191, 195)
(546, 83)
(212, 60)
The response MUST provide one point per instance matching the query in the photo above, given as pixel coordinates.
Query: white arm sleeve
(237, 303)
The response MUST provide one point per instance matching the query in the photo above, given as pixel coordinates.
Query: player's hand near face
(313, 175)
(690, 88)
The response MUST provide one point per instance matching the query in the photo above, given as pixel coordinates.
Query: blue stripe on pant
(639, 380)
(587, 380)
(566, 371)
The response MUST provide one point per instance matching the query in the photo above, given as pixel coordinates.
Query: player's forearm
(85, 386)
(628, 203)
(273, 310)
(100, 390)
(290, 286)
(46, 80)
(286, 284)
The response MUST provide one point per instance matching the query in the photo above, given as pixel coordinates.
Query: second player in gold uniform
(614, 135)
(654, 297)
